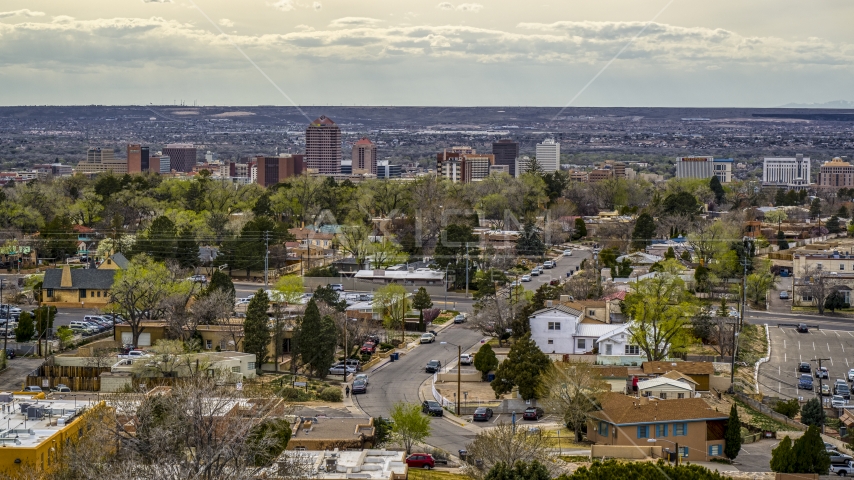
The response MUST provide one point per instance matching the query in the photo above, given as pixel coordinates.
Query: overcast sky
(723, 53)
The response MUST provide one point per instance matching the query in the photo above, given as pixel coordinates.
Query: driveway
(756, 457)
(17, 369)
(777, 305)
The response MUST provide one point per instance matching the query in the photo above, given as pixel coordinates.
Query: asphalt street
(400, 381)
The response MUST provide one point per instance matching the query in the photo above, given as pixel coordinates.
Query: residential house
(700, 372)
(559, 329)
(691, 424)
(640, 258)
(86, 240)
(665, 388)
(616, 347)
(345, 433)
(81, 287)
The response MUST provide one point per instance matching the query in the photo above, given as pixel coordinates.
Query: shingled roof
(90, 279)
(621, 409)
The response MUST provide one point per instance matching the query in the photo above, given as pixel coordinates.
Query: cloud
(463, 7)
(353, 22)
(24, 12)
(284, 5)
(224, 22)
(316, 6)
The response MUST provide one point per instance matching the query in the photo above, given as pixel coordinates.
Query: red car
(369, 348)
(420, 460)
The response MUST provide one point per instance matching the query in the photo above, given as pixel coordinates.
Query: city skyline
(337, 52)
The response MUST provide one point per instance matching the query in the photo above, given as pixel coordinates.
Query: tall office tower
(505, 152)
(786, 172)
(144, 158)
(272, 170)
(468, 168)
(449, 154)
(323, 146)
(134, 158)
(836, 173)
(102, 160)
(182, 156)
(548, 155)
(364, 157)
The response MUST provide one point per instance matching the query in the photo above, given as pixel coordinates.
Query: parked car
(433, 366)
(836, 457)
(33, 388)
(821, 372)
(482, 414)
(805, 382)
(361, 376)
(526, 278)
(466, 359)
(802, 328)
(804, 367)
(350, 362)
(843, 469)
(432, 407)
(842, 389)
(837, 401)
(548, 264)
(61, 389)
(420, 460)
(369, 348)
(460, 318)
(198, 279)
(10, 353)
(428, 338)
(535, 413)
(337, 287)
(851, 375)
(825, 389)
(784, 295)
(341, 369)
(359, 386)
(535, 272)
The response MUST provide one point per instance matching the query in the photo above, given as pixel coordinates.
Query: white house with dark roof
(559, 330)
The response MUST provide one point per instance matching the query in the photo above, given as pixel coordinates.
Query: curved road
(400, 381)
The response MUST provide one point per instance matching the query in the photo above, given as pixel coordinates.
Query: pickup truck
(466, 359)
(843, 469)
(134, 354)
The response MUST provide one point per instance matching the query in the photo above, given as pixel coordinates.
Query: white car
(361, 376)
(526, 278)
(466, 359)
(242, 301)
(837, 401)
(567, 253)
(339, 370)
(428, 338)
(851, 375)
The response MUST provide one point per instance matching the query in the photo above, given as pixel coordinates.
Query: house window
(554, 325)
(99, 294)
(50, 292)
(661, 430)
(582, 343)
(603, 429)
(841, 267)
(235, 369)
(714, 450)
(209, 344)
(680, 429)
(592, 313)
(632, 350)
(551, 342)
(91, 294)
(643, 431)
(299, 449)
(663, 396)
(608, 349)
(680, 395)
(251, 366)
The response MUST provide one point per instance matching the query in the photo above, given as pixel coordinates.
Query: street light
(459, 369)
(653, 440)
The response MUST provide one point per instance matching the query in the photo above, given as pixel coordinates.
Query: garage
(144, 339)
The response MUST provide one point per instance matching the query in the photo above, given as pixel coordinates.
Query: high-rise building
(467, 168)
(385, 170)
(364, 158)
(506, 151)
(272, 170)
(836, 173)
(323, 146)
(100, 160)
(548, 155)
(792, 173)
(159, 163)
(134, 158)
(704, 167)
(182, 156)
(448, 154)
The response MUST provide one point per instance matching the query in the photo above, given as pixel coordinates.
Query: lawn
(419, 474)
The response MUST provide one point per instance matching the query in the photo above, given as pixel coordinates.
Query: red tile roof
(323, 120)
(364, 141)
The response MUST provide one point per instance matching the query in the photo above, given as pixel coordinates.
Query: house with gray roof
(82, 287)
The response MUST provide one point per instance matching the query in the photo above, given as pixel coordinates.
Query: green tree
(523, 368)
(779, 197)
(624, 269)
(670, 253)
(815, 208)
(835, 301)
(782, 243)
(530, 243)
(421, 302)
(410, 426)
(485, 361)
(732, 436)
(330, 297)
(382, 431)
(64, 334)
(455, 241)
(221, 281)
(781, 455)
(812, 413)
(612, 470)
(392, 303)
(758, 285)
(718, 189)
(26, 329)
(58, 239)
(268, 439)
(660, 309)
(520, 471)
(681, 203)
(159, 240)
(686, 255)
(788, 408)
(256, 329)
(289, 289)
(316, 348)
(187, 248)
(833, 224)
(842, 212)
(776, 216)
(809, 453)
(580, 230)
(486, 283)
(643, 232)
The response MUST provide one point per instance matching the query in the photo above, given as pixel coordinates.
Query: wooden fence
(86, 379)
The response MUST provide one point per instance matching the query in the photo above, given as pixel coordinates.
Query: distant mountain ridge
(831, 104)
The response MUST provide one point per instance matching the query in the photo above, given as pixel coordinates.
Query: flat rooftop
(368, 464)
(29, 422)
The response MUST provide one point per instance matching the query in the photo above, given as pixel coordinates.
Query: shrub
(386, 346)
(789, 408)
(331, 394)
(295, 394)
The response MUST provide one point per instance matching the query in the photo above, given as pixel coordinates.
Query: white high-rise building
(793, 173)
(704, 167)
(548, 155)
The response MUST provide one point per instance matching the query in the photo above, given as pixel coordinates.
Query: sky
(645, 53)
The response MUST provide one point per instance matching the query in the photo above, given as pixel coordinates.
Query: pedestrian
(347, 390)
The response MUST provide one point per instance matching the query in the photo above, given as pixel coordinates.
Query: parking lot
(779, 376)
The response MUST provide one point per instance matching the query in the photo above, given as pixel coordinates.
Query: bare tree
(817, 284)
(493, 316)
(573, 389)
(509, 444)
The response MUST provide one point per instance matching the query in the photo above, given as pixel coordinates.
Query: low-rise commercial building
(81, 287)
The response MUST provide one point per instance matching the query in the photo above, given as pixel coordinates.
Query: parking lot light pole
(459, 377)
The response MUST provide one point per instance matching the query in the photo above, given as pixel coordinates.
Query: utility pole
(819, 360)
(467, 269)
(8, 318)
(266, 257)
(734, 350)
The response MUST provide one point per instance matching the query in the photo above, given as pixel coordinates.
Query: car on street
(805, 382)
(482, 414)
(428, 338)
(567, 253)
(804, 367)
(533, 413)
(33, 388)
(526, 278)
(432, 407)
(535, 272)
(548, 264)
(433, 366)
(821, 372)
(361, 376)
(842, 389)
(369, 348)
(242, 301)
(460, 318)
(514, 284)
(466, 359)
(843, 469)
(825, 389)
(61, 389)
(420, 460)
(337, 287)
(359, 386)
(802, 328)
(340, 370)
(837, 401)
(837, 458)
